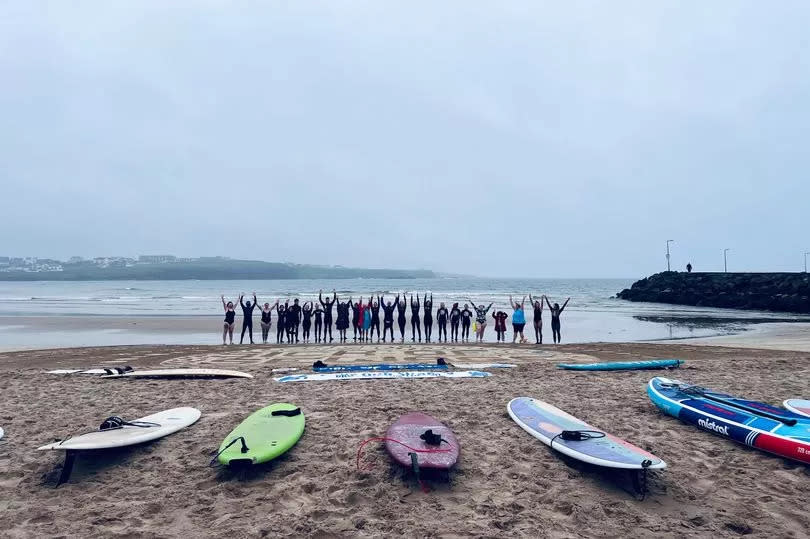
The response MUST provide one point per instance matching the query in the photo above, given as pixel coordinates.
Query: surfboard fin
(67, 467)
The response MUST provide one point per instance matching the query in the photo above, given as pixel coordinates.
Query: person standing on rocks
(689, 267)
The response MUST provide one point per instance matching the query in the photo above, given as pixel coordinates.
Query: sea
(593, 314)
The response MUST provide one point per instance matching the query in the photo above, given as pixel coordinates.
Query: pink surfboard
(410, 430)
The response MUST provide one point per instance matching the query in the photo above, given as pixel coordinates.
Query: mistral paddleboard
(553, 427)
(623, 365)
(378, 375)
(263, 435)
(144, 429)
(181, 373)
(757, 424)
(380, 367)
(421, 437)
(798, 406)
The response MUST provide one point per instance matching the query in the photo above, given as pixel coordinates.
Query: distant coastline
(170, 268)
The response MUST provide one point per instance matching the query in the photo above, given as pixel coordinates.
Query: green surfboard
(263, 435)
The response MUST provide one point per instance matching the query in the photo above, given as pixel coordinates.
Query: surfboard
(407, 436)
(756, 424)
(1, 433)
(108, 370)
(381, 367)
(181, 373)
(550, 425)
(623, 365)
(263, 435)
(379, 375)
(798, 406)
(151, 427)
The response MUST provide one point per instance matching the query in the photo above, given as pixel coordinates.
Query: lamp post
(668, 266)
(725, 260)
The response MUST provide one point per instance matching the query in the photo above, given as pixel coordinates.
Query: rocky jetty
(782, 292)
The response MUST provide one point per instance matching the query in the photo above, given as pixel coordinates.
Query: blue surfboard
(623, 365)
(382, 367)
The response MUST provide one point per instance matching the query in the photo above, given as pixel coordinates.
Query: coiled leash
(115, 422)
(577, 436)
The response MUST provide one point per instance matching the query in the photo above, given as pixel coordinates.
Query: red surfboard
(421, 437)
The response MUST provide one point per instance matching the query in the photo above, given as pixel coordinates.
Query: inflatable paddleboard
(146, 429)
(419, 436)
(181, 373)
(757, 424)
(379, 375)
(381, 367)
(798, 406)
(550, 425)
(263, 435)
(623, 365)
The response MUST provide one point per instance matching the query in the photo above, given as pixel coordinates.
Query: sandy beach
(506, 482)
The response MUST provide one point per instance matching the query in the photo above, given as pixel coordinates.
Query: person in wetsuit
(318, 312)
(306, 320)
(355, 313)
(538, 318)
(247, 317)
(402, 306)
(230, 319)
(267, 317)
(375, 318)
(281, 327)
(365, 320)
(291, 321)
(327, 314)
(415, 319)
(518, 319)
(441, 318)
(480, 320)
(455, 318)
(556, 311)
(500, 325)
(428, 317)
(296, 320)
(466, 320)
(342, 323)
(388, 317)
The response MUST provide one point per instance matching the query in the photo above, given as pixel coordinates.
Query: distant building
(156, 259)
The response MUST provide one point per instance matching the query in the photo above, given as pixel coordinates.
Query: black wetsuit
(415, 319)
(375, 319)
(318, 312)
(342, 323)
(292, 323)
(266, 321)
(247, 321)
(355, 314)
(466, 319)
(306, 322)
(455, 318)
(327, 315)
(428, 317)
(441, 317)
(281, 310)
(402, 307)
(388, 318)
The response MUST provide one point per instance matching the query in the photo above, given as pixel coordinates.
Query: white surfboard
(282, 370)
(181, 373)
(166, 422)
(484, 365)
(798, 406)
(379, 375)
(1, 432)
(108, 370)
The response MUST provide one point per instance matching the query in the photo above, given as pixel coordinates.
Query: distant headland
(168, 267)
(781, 292)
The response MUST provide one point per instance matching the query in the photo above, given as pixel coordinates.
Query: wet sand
(506, 482)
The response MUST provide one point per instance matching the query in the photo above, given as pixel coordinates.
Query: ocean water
(592, 315)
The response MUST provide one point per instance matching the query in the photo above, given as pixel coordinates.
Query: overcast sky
(536, 139)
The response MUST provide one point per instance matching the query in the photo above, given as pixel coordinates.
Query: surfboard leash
(244, 449)
(406, 446)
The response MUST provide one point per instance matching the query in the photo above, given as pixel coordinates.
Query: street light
(725, 260)
(668, 242)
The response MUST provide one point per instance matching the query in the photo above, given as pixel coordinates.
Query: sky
(514, 139)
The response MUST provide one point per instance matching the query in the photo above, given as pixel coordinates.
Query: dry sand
(506, 482)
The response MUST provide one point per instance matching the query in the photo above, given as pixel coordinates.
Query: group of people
(365, 319)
